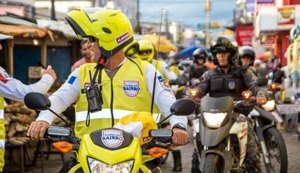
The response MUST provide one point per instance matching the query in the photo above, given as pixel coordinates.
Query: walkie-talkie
(93, 95)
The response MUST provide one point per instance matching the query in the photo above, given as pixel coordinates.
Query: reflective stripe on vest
(2, 134)
(105, 113)
(126, 93)
(1, 113)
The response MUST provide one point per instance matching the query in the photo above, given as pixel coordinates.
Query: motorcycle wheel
(277, 151)
(213, 164)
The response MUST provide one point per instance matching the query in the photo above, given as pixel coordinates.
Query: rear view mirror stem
(165, 119)
(67, 124)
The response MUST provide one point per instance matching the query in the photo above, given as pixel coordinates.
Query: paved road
(293, 146)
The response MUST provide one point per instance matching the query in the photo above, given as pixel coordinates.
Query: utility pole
(137, 26)
(207, 11)
(53, 10)
(167, 25)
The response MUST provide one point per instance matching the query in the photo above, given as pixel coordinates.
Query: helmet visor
(145, 52)
(220, 49)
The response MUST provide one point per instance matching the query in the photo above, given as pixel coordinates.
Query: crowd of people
(116, 60)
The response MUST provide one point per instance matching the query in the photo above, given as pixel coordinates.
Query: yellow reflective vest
(2, 134)
(125, 93)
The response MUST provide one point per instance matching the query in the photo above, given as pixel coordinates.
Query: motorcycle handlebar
(55, 131)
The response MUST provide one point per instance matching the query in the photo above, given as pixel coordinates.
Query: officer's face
(222, 58)
(245, 60)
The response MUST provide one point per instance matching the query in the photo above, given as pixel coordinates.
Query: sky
(187, 12)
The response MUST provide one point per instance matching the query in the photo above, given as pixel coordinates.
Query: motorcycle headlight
(214, 120)
(269, 106)
(97, 166)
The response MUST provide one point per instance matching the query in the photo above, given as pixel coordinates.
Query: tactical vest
(125, 93)
(230, 84)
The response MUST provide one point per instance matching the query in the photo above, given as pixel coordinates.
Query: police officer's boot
(177, 161)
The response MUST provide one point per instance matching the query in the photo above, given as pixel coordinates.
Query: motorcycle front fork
(262, 142)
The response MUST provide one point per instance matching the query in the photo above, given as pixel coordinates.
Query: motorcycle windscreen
(216, 104)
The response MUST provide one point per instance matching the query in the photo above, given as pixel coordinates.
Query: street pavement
(293, 145)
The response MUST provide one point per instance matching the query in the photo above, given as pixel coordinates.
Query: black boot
(177, 161)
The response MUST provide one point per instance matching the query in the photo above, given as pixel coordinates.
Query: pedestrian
(86, 54)
(14, 89)
(126, 84)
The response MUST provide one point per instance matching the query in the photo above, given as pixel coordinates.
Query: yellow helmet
(131, 49)
(111, 28)
(146, 50)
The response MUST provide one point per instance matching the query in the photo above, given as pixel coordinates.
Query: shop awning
(25, 31)
(5, 37)
(164, 45)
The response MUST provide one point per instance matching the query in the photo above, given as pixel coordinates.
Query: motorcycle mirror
(37, 101)
(261, 81)
(183, 106)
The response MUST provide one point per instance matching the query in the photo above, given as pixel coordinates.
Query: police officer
(230, 79)
(126, 84)
(198, 67)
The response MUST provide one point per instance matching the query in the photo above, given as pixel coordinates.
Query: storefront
(272, 27)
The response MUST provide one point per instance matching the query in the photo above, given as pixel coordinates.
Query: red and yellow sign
(286, 17)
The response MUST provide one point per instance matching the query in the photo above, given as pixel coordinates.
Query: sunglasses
(145, 52)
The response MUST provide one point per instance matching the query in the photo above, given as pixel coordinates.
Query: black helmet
(247, 51)
(223, 44)
(199, 53)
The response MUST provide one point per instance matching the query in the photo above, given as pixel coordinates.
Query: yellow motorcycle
(120, 149)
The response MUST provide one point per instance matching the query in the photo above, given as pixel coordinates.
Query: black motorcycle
(221, 139)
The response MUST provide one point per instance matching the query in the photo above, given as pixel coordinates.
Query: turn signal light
(246, 95)
(63, 146)
(273, 86)
(157, 152)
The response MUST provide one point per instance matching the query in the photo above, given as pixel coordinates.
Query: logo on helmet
(123, 38)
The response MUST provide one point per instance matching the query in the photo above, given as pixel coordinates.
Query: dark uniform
(217, 83)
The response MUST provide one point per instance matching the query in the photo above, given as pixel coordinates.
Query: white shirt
(68, 93)
(14, 89)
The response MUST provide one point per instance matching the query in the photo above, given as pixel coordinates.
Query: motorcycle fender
(144, 169)
(212, 137)
(75, 168)
(266, 115)
(226, 156)
(195, 126)
(240, 128)
(265, 127)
